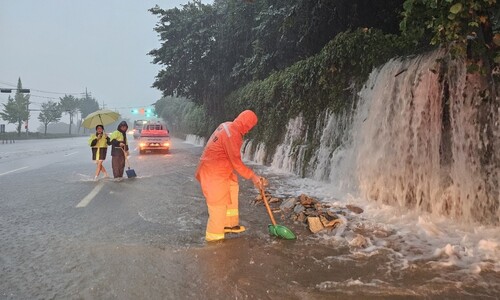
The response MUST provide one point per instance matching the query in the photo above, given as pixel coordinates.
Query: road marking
(85, 201)
(13, 171)
(70, 153)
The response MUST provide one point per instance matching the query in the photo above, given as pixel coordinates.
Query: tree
(209, 51)
(50, 113)
(15, 111)
(288, 31)
(186, 52)
(467, 28)
(69, 105)
(182, 115)
(87, 105)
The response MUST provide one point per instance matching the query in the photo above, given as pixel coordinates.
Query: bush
(311, 86)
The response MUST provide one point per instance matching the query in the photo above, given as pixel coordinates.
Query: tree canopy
(69, 104)
(469, 28)
(210, 52)
(87, 105)
(16, 110)
(50, 113)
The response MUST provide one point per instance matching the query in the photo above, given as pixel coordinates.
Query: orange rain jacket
(221, 156)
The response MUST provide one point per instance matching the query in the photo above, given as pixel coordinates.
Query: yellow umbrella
(100, 117)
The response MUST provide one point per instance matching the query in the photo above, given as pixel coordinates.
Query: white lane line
(13, 171)
(70, 153)
(85, 201)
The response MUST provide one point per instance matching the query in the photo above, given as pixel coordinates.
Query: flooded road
(143, 238)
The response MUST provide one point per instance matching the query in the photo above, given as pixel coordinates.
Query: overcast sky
(64, 46)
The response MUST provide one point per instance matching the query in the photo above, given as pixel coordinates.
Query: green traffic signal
(148, 112)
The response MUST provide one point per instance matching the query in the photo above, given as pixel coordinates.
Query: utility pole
(27, 119)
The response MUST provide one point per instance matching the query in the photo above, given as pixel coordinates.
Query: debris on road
(316, 215)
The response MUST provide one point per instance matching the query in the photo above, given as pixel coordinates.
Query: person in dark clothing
(119, 148)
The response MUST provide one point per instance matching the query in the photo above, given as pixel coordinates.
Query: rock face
(317, 216)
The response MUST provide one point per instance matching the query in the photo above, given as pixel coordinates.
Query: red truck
(154, 136)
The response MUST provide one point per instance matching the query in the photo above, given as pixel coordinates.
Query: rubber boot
(234, 229)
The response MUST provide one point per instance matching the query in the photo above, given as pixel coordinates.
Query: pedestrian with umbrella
(100, 117)
(100, 140)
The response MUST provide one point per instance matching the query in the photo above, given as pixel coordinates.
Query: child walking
(99, 142)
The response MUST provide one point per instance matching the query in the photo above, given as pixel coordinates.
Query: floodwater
(143, 238)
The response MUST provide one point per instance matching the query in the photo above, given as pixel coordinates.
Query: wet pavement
(143, 238)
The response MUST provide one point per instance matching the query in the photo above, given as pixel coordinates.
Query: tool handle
(263, 194)
(126, 158)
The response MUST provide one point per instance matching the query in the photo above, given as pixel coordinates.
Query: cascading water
(423, 137)
(289, 155)
(421, 144)
(397, 141)
(195, 140)
(258, 155)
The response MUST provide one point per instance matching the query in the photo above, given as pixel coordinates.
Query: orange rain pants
(215, 173)
(220, 216)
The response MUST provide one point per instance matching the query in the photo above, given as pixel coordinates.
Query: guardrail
(12, 137)
(6, 138)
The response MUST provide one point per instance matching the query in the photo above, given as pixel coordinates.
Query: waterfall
(246, 150)
(424, 136)
(397, 134)
(289, 155)
(195, 140)
(258, 155)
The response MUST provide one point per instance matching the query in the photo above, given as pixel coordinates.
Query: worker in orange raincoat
(218, 180)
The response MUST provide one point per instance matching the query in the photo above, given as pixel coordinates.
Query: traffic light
(148, 112)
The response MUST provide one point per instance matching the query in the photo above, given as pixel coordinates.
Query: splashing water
(418, 151)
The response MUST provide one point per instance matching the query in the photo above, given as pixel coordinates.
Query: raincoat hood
(120, 125)
(245, 121)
